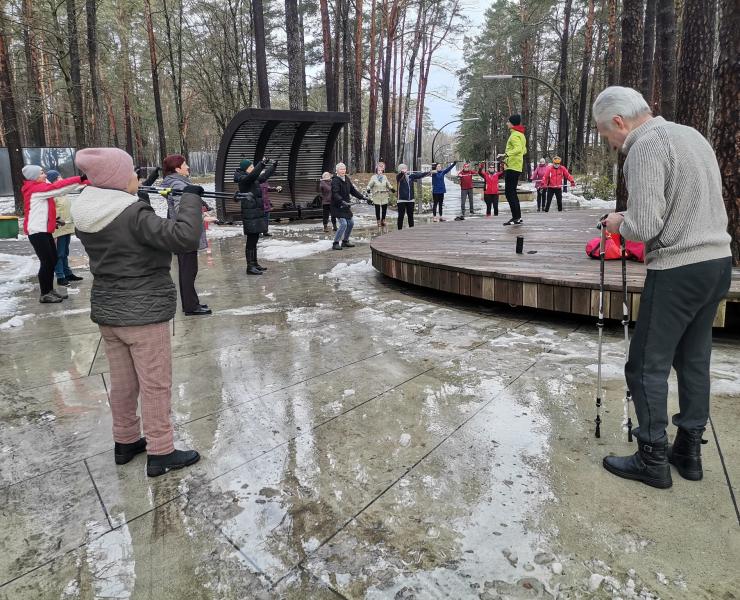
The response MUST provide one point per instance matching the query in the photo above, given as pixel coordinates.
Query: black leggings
(46, 250)
(187, 271)
(541, 198)
(408, 208)
(437, 202)
(380, 209)
(327, 214)
(511, 179)
(491, 200)
(558, 193)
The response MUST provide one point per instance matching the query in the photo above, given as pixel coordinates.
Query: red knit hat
(109, 168)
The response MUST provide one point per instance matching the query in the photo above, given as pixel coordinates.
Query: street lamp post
(554, 91)
(434, 139)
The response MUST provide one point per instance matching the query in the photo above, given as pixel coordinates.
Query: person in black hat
(516, 148)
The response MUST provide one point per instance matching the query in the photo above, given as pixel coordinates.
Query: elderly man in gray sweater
(675, 206)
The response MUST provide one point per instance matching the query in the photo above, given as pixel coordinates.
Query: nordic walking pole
(626, 323)
(600, 325)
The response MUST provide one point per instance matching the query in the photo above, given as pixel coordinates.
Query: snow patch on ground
(580, 201)
(16, 272)
(7, 205)
(257, 309)
(220, 232)
(284, 250)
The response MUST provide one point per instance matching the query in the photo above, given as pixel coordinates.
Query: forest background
(162, 76)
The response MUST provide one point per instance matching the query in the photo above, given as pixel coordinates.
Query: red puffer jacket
(554, 177)
(38, 203)
(466, 179)
(491, 180)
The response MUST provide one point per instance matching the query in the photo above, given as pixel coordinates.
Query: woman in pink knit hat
(132, 299)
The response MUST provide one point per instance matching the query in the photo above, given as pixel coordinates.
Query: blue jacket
(438, 180)
(404, 183)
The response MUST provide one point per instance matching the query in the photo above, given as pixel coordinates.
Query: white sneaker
(435, 220)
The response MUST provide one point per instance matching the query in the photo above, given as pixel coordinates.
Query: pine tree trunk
(664, 95)
(35, 91)
(302, 34)
(695, 64)
(10, 120)
(630, 72)
(373, 95)
(112, 128)
(585, 70)
(347, 78)
(648, 51)
(263, 84)
(563, 118)
(611, 52)
(174, 57)
(357, 90)
(155, 80)
(296, 86)
(386, 143)
(96, 120)
(727, 112)
(331, 100)
(337, 51)
(74, 72)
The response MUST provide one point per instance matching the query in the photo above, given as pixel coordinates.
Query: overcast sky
(443, 85)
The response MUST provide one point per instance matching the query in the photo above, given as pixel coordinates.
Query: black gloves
(152, 177)
(193, 189)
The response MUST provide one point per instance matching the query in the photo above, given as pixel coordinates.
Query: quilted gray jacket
(130, 250)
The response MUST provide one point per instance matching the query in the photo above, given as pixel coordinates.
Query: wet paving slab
(360, 439)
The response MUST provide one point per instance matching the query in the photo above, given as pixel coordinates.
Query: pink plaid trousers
(140, 360)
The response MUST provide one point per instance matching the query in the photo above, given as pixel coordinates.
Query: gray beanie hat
(31, 171)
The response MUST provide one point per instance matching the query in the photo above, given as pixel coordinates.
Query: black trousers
(541, 198)
(380, 209)
(45, 248)
(674, 328)
(437, 202)
(491, 200)
(558, 193)
(187, 272)
(511, 179)
(408, 209)
(327, 214)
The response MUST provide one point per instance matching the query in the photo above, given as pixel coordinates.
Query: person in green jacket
(516, 148)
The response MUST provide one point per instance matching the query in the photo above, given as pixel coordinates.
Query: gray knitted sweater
(675, 196)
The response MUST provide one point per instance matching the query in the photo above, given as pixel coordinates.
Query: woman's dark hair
(171, 163)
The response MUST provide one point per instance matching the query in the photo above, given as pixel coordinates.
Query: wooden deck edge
(578, 298)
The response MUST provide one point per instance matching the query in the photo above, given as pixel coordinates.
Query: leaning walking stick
(600, 325)
(626, 322)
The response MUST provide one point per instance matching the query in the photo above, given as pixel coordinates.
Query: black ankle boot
(648, 465)
(159, 464)
(124, 453)
(347, 244)
(685, 454)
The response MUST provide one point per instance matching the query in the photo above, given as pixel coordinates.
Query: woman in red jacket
(41, 221)
(490, 191)
(553, 181)
(466, 188)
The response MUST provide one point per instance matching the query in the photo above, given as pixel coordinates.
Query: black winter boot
(648, 465)
(336, 246)
(159, 464)
(347, 244)
(252, 263)
(685, 454)
(124, 453)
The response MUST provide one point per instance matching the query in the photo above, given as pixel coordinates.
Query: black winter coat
(130, 250)
(341, 203)
(253, 210)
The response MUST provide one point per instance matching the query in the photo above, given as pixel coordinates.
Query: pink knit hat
(109, 168)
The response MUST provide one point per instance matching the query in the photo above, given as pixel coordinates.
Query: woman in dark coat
(325, 191)
(341, 190)
(253, 211)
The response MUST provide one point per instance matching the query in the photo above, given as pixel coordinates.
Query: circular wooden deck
(477, 258)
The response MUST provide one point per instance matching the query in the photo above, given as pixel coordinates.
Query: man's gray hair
(402, 167)
(338, 166)
(619, 101)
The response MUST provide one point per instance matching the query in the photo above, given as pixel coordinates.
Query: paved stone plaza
(360, 440)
